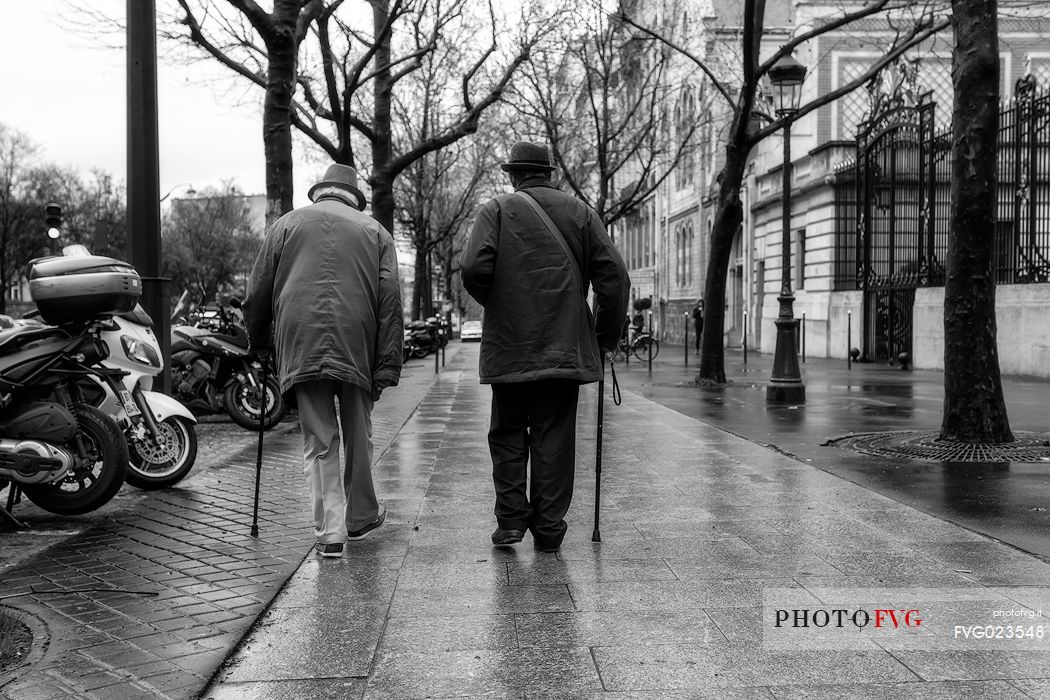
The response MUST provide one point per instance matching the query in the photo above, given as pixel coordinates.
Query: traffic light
(54, 220)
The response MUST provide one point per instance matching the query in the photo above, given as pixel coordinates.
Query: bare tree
(974, 408)
(600, 92)
(17, 218)
(262, 47)
(437, 196)
(467, 62)
(208, 241)
(348, 76)
(745, 129)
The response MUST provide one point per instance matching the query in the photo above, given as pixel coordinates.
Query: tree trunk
(974, 409)
(277, 108)
(382, 181)
(728, 216)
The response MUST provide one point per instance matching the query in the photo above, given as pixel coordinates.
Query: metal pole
(143, 213)
(649, 345)
(803, 337)
(263, 395)
(786, 385)
(630, 340)
(437, 357)
(849, 339)
(596, 536)
(745, 337)
(686, 315)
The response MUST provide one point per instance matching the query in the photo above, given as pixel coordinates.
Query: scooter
(213, 371)
(65, 455)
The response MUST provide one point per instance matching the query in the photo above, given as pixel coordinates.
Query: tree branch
(828, 98)
(701, 64)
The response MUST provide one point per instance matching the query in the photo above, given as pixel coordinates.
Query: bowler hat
(525, 156)
(342, 176)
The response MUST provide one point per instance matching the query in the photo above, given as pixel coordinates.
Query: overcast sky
(69, 97)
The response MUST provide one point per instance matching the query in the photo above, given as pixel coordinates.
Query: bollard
(745, 338)
(686, 315)
(649, 345)
(803, 337)
(849, 339)
(443, 353)
(436, 360)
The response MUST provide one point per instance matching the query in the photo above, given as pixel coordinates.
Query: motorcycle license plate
(129, 403)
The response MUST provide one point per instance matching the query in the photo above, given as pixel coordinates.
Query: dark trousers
(697, 332)
(537, 421)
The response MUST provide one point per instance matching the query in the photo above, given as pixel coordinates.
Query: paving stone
(300, 689)
(681, 666)
(982, 690)
(965, 665)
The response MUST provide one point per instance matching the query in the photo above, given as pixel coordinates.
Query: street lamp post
(785, 385)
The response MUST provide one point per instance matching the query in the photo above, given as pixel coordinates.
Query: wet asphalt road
(1008, 501)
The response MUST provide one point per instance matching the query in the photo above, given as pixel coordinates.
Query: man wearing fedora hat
(325, 286)
(531, 257)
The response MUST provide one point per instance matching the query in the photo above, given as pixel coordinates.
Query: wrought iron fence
(917, 208)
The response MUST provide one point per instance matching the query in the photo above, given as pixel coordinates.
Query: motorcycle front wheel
(157, 466)
(242, 403)
(419, 351)
(100, 462)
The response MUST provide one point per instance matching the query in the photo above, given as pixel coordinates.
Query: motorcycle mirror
(235, 302)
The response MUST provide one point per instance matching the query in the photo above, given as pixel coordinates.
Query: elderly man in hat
(531, 257)
(325, 284)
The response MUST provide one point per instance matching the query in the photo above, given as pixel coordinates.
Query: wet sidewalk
(1008, 501)
(149, 604)
(708, 540)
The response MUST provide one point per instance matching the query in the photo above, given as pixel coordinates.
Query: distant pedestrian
(698, 322)
(326, 282)
(529, 261)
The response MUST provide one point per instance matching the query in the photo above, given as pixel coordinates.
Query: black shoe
(502, 538)
(329, 551)
(363, 532)
(546, 545)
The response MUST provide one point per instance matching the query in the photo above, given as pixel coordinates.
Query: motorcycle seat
(13, 338)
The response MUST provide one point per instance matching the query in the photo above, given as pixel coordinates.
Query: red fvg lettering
(905, 618)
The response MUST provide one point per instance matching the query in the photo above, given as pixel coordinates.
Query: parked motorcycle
(418, 340)
(65, 455)
(160, 431)
(213, 371)
(424, 337)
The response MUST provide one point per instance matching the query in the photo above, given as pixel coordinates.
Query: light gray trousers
(345, 498)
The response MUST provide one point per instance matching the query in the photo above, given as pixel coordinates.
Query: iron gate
(896, 250)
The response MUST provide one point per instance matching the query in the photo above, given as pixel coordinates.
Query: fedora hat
(342, 176)
(525, 156)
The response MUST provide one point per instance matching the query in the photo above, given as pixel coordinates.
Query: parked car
(470, 331)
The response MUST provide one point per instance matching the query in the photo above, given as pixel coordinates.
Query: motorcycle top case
(69, 289)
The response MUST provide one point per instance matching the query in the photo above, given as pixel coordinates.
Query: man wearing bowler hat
(325, 284)
(531, 258)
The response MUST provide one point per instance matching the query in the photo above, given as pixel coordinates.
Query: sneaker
(363, 532)
(503, 538)
(333, 550)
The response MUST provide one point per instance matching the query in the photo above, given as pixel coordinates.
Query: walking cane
(596, 536)
(263, 360)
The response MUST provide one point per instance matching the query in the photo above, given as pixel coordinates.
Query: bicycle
(638, 346)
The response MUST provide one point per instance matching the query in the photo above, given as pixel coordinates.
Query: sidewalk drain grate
(925, 445)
